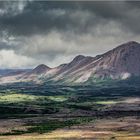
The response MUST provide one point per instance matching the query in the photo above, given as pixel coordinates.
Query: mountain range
(120, 63)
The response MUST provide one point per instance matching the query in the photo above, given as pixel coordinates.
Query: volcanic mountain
(121, 62)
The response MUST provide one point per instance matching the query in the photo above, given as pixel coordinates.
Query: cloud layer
(33, 32)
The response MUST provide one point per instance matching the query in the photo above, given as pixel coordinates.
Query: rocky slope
(121, 62)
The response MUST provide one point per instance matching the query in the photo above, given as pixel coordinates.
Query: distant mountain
(8, 72)
(121, 63)
(11, 75)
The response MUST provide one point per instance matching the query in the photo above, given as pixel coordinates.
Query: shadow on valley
(45, 108)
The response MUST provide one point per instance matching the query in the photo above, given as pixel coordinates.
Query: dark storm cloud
(39, 17)
(36, 17)
(53, 32)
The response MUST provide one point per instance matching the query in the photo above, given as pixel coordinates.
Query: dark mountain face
(123, 59)
(40, 69)
(119, 63)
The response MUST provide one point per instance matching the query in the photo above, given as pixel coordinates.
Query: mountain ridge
(121, 62)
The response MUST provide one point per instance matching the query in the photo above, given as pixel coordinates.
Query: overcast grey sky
(34, 32)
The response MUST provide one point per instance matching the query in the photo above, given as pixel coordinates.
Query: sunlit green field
(24, 98)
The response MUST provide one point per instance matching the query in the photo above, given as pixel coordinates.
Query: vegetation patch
(50, 125)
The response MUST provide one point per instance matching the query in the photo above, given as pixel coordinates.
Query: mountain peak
(40, 68)
(79, 57)
(130, 44)
(126, 47)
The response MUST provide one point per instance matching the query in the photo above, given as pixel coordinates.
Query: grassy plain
(62, 112)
